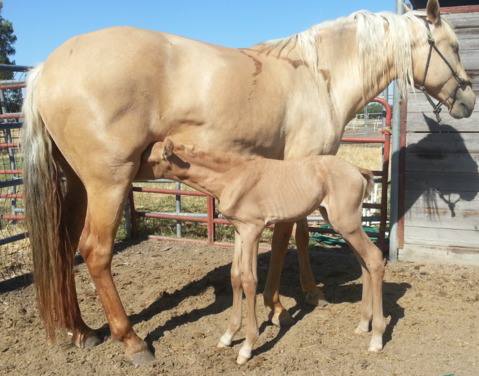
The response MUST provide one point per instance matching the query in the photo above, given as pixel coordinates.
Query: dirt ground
(179, 295)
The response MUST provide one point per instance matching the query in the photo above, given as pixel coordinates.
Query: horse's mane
(379, 37)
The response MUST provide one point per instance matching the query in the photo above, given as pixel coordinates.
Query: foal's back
(271, 191)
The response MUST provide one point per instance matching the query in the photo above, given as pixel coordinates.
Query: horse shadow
(335, 270)
(432, 186)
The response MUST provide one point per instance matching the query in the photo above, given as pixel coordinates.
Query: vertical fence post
(211, 218)
(178, 209)
(131, 223)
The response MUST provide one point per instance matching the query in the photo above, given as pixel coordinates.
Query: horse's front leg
(279, 245)
(249, 281)
(312, 293)
(235, 318)
(105, 202)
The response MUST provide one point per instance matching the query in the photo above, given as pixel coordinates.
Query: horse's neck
(202, 172)
(348, 89)
(359, 56)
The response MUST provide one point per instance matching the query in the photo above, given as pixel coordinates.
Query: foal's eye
(455, 48)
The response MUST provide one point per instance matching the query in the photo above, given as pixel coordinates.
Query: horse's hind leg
(75, 211)
(312, 293)
(105, 201)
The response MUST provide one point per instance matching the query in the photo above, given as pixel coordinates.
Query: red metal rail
(211, 220)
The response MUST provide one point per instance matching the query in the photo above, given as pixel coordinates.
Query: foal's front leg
(235, 318)
(249, 281)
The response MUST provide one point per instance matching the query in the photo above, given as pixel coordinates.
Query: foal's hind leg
(105, 202)
(372, 261)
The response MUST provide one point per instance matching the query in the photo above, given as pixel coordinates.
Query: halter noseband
(462, 83)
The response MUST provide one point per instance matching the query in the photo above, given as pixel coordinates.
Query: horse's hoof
(281, 319)
(142, 358)
(316, 298)
(92, 341)
(86, 341)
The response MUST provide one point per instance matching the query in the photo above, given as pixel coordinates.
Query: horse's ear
(433, 12)
(406, 8)
(168, 147)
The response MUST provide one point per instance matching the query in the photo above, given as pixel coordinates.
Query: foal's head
(162, 159)
(437, 67)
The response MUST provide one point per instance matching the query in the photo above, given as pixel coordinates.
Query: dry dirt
(178, 296)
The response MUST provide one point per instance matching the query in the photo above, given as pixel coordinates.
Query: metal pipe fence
(14, 256)
(211, 218)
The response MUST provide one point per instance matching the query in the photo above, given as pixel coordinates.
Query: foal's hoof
(225, 341)
(281, 319)
(243, 356)
(142, 358)
(376, 344)
(316, 298)
(362, 328)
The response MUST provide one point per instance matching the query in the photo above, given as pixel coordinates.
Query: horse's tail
(369, 176)
(52, 255)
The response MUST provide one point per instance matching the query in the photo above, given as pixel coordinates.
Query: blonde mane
(382, 39)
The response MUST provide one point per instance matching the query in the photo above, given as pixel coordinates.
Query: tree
(7, 39)
(13, 98)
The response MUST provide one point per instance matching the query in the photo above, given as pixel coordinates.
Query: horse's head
(160, 159)
(437, 66)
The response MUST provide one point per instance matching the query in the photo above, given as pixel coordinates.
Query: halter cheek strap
(462, 83)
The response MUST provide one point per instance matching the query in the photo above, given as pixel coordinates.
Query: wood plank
(429, 160)
(438, 214)
(440, 237)
(440, 254)
(463, 20)
(425, 122)
(443, 142)
(424, 181)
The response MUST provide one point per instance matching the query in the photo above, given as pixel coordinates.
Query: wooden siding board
(451, 237)
(443, 142)
(443, 162)
(416, 123)
(466, 184)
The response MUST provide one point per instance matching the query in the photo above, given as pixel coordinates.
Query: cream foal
(255, 192)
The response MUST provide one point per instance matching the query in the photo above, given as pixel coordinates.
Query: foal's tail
(369, 176)
(52, 256)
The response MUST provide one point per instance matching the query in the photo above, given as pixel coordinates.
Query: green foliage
(13, 98)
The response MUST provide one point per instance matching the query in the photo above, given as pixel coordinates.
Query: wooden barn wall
(441, 167)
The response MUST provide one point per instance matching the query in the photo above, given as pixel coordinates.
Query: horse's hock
(440, 166)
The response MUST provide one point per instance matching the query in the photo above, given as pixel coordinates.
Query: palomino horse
(254, 192)
(102, 98)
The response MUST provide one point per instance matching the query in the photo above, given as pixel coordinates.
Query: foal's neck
(203, 171)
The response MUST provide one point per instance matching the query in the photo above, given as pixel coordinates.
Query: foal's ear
(168, 147)
(433, 12)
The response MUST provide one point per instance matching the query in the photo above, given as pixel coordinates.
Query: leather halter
(461, 83)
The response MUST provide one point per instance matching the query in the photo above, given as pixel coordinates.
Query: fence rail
(212, 218)
(11, 207)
